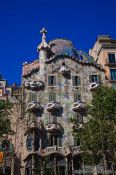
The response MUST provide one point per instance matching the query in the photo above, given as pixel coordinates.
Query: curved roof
(66, 48)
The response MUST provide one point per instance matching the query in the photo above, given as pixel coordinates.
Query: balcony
(93, 86)
(34, 107)
(34, 85)
(53, 107)
(78, 107)
(63, 151)
(64, 70)
(54, 128)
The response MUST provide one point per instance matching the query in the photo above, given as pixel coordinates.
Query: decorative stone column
(66, 169)
(55, 165)
(33, 161)
(72, 166)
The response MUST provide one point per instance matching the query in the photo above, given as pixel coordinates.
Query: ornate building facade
(55, 88)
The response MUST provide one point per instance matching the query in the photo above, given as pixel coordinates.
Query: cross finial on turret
(43, 43)
(43, 31)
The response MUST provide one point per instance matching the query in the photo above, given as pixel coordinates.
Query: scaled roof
(65, 49)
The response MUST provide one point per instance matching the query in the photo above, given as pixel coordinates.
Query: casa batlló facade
(55, 88)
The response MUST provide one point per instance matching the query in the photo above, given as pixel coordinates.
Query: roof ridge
(64, 39)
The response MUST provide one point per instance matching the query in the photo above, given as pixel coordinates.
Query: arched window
(29, 141)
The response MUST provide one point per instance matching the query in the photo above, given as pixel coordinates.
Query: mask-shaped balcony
(34, 107)
(53, 107)
(78, 107)
(93, 86)
(54, 128)
(27, 84)
(64, 71)
(34, 85)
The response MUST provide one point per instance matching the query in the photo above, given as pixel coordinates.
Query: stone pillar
(72, 166)
(66, 169)
(12, 166)
(33, 162)
(55, 166)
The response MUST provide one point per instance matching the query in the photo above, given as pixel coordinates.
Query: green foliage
(98, 135)
(5, 123)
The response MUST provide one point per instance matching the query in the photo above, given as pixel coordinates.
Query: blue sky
(80, 21)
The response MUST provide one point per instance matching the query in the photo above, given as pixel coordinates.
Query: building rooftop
(61, 48)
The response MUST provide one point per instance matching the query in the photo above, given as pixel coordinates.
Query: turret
(43, 48)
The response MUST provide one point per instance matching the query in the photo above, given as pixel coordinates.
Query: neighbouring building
(104, 53)
(8, 146)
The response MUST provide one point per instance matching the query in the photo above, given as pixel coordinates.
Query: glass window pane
(77, 97)
(76, 80)
(113, 74)
(51, 80)
(94, 78)
(111, 57)
(52, 97)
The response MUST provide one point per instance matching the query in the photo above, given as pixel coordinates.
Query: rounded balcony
(93, 86)
(34, 85)
(78, 107)
(54, 128)
(34, 107)
(27, 84)
(53, 106)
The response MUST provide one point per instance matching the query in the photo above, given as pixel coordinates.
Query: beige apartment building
(104, 53)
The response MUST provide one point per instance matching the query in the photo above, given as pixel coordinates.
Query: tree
(98, 135)
(5, 123)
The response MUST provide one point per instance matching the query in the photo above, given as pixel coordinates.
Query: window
(52, 97)
(93, 78)
(76, 141)
(52, 118)
(113, 74)
(112, 58)
(76, 80)
(51, 80)
(77, 97)
(54, 140)
(35, 141)
(78, 117)
(29, 142)
(33, 97)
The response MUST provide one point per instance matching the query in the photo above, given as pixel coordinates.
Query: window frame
(73, 81)
(111, 74)
(110, 61)
(50, 75)
(51, 98)
(90, 78)
(75, 97)
(52, 139)
(33, 96)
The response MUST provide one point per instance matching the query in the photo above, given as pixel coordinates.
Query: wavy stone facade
(51, 86)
